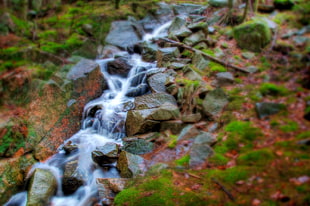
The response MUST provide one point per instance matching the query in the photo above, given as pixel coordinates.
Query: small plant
(173, 141)
(272, 89)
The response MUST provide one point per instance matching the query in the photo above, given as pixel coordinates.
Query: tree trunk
(117, 4)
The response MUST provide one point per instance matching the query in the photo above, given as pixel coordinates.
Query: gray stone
(73, 177)
(265, 109)
(194, 38)
(150, 101)
(248, 55)
(122, 34)
(200, 62)
(205, 137)
(106, 154)
(211, 30)
(81, 69)
(176, 65)
(178, 28)
(191, 118)
(129, 165)
(252, 69)
(137, 146)
(225, 78)
(175, 126)
(214, 103)
(198, 25)
(188, 132)
(164, 13)
(199, 153)
(119, 66)
(108, 51)
(149, 51)
(190, 74)
(109, 187)
(166, 55)
(186, 9)
(157, 82)
(42, 187)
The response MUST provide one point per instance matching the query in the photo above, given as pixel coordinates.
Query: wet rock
(188, 132)
(109, 187)
(122, 34)
(136, 145)
(194, 38)
(198, 26)
(191, 118)
(149, 51)
(108, 51)
(176, 65)
(175, 126)
(138, 90)
(186, 9)
(265, 109)
(214, 102)
(166, 55)
(200, 62)
(73, 177)
(129, 165)
(224, 78)
(178, 28)
(155, 100)
(12, 174)
(42, 187)
(157, 82)
(146, 120)
(252, 35)
(164, 13)
(283, 4)
(119, 66)
(106, 154)
(69, 147)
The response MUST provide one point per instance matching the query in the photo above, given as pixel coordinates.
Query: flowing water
(103, 122)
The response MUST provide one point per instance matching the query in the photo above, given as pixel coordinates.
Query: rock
(188, 132)
(305, 142)
(194, 38)
(175, 126)
(6, 24)
(200, 62)
(119, 66)
(225, 78)
(149, 51)
(129, 165)
(73, 177)
(265, 8)
(198, 26)
(199, 153)
(122, 34)
(106, 154)
(108, 51)
(265, 109)
(166, 55)
(252, 69)
(88, 29)
(218, 3)
(136, 145)
(150, 101)
(69, 147)
(191, 118)
(186, 9)
(214, 102)
(176, 65)
(191, 74)
(146, 120)
(12, 174)
(248, 55)
(205, 137)
(283, 4)
(109, 187)
(164, 13)
(42, 187)
(157, 82)
(178, 28)
(252, 35)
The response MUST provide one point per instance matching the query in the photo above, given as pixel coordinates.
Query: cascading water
(103, 122)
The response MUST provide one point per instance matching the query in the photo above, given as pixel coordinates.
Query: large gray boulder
(214, 102)
(200, 62)
(119, 66)
(186, 9)
(166, 55)
(194, 38)
(137, 145)
(122, 34)
(265, 109)
(149, 51)
(106, 154)
(178, 28)
(73, 177)
(42, 187)
(129, 165)
(157, 82)
(154, 100)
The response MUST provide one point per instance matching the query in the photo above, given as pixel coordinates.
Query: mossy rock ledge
(252, 35)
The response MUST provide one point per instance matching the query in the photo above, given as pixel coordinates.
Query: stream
(103, 122)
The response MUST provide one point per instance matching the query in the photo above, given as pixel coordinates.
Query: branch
(230, 196)
(204, 54)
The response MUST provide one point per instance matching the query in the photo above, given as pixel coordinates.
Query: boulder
(157, 82)
(146, 120)
(122, 34)
(149, 51)
(188, 132)
(42, 187)
(106, 154)
(194, 38)
(119, 66)
(265, 109)
(187, 9)
(175, 126)
(214, 102)
(136, 145)
(205, 137)
(252, 35)
(129, 165)
(73, 177)
(201, 25)
(108, 51)
(178, 28)
(109, 187)
(200, 62)
(224, 78)
(166, 55)
(199, 153)
(191, 118)
(155, 100)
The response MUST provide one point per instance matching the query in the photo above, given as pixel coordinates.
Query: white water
(103, 122)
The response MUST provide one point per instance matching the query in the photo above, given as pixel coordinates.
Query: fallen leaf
(256, 202)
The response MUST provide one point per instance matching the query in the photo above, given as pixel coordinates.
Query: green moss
(243, 129)
(303, 135)
(272, 89)
(126, 196)
(183, 161)
(258, 157)
(218, 159)
(11, 142)
(48, 35)
(215, 67)
(230, 175)
(209, 52)
(290, 126)
(173, 141)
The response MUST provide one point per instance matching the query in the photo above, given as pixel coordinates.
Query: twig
(195, 176)
(230, 196)
(204, 54)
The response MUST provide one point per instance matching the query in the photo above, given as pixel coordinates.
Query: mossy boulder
(129, 165)
(252, 35)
